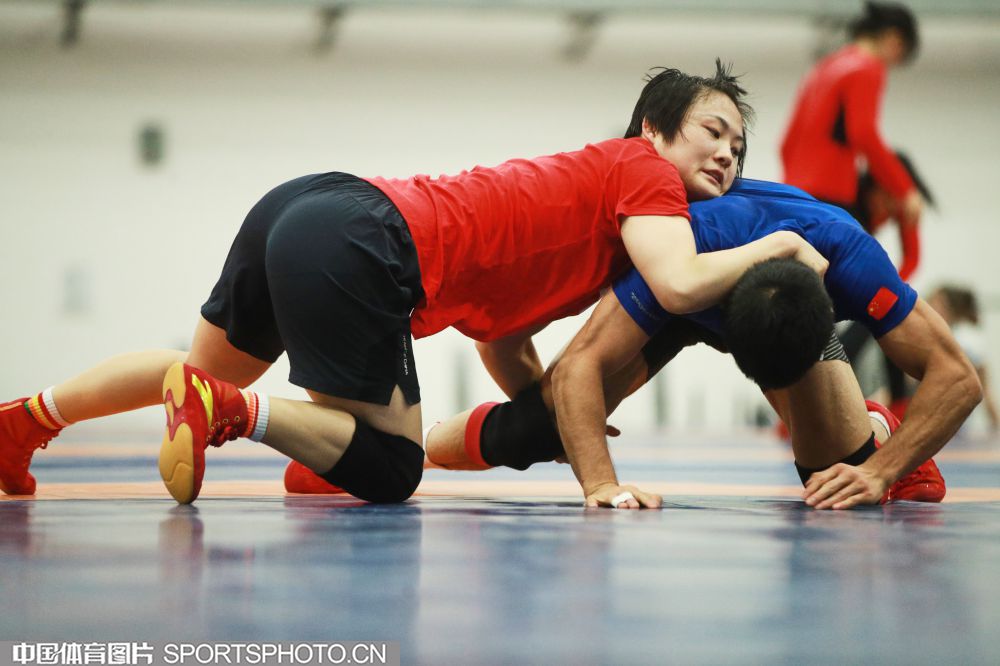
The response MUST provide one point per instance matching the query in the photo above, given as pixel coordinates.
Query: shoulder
(633, 150)
(635, 163)
(849, 64)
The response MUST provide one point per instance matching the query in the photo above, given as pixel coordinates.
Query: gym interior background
(134, 136)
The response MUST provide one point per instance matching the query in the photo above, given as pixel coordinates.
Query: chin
(701, 193)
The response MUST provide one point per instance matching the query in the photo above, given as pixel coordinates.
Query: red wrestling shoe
(20, 436)
(925, 483)
(201, 411)
(898, 407)
(301, 479)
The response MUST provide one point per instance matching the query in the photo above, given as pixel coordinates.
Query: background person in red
(834, 122)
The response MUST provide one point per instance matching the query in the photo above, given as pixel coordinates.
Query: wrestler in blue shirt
(861, 279)
(825, 409)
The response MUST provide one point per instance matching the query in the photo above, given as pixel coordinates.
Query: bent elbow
(575, 369)
(973, 390)
(966, 387)
(677, 298)
(562, 373)
(864, 138)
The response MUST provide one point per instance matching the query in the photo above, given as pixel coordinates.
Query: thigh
(675, 335)
(399, 417)
(213, 353)
(825, 414)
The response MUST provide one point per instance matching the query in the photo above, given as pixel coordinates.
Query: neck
(872, 47)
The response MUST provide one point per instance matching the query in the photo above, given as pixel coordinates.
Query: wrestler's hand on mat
(622, 497)
(844, 486)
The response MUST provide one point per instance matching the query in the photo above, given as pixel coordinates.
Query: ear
(648, 131)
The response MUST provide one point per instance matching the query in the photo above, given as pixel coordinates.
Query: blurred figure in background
(959, 307)
(835, 118)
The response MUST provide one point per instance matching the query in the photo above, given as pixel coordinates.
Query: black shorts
(675, 336)
(680, 333)
(324, 268)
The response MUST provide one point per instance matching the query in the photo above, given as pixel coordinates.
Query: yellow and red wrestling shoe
(20, 436)
(925, 483)
(201, 411)
(301, 479)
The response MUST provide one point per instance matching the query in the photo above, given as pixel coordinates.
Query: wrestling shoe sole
(182, 461)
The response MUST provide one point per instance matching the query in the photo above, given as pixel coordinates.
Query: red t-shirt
(836, 119)
(507, 248)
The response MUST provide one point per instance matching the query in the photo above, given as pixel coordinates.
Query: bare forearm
(942, 402)
(706, 278)
(624, 382)
(580, 410)
(617, 385)
(512, 369)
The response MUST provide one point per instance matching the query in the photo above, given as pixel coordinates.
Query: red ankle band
(473, 429)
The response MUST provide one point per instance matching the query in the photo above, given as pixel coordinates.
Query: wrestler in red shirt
(546, 235)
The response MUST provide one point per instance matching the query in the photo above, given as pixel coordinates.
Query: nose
(724, 155)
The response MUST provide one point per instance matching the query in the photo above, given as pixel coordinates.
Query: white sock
(427, 431)
(881, 419)
(50, 404)
(263, 416)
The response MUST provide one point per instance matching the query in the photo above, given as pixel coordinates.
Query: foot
(925, 483)
(201, 411)
(20, 436)
(301, 479)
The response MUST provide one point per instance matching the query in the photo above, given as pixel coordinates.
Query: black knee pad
(855, 459)
(521, 432)
(378, 467)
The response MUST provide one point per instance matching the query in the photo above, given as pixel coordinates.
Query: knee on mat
(379, 467)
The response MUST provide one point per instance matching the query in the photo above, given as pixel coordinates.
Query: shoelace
(222, 433)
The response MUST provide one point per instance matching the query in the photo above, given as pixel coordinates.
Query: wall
(100, 254)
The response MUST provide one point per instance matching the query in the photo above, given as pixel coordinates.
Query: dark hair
(777, 321)
(866, 183)
(962, 302)
(881, 16)
(667, 97)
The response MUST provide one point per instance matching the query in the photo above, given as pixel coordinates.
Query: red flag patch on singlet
(882, 303)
